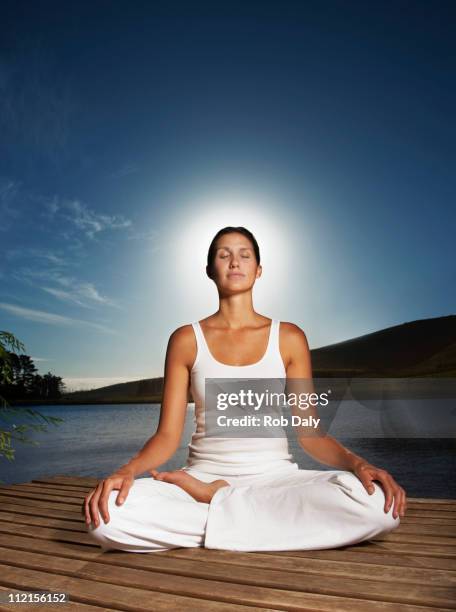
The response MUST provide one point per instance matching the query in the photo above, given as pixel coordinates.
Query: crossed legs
(303, 510)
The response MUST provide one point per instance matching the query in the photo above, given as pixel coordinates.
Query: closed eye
(243, 256)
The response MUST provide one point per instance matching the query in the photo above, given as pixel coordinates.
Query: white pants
(286, 509)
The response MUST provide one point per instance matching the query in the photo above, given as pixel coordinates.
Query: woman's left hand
(367, 472)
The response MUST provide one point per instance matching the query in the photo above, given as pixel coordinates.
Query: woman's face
(235, 265)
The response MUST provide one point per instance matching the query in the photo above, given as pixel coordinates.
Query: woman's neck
(236, 313)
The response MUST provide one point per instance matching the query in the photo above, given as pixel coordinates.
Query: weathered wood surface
(44, 546)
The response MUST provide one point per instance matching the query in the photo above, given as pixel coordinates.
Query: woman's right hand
(97, 499)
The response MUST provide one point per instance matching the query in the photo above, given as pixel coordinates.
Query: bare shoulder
(182, 344)
(292, 333)
(293, 343)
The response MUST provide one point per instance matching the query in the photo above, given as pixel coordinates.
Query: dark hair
(229, 230)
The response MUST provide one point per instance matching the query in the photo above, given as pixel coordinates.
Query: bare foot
(201, 491)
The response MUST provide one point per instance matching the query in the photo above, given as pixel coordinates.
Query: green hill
(426, 347)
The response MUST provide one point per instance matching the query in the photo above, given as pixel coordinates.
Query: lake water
(96, 440)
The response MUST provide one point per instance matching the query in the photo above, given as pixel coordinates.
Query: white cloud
(64, 295)
(41, 316)
(51, 207)
(63, 218)
(29, 252)
(91, 222)
(82, 294)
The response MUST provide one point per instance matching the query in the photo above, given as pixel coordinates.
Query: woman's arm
(323, 447)
(164, 443)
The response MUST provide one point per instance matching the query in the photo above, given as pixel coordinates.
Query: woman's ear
(259, 271)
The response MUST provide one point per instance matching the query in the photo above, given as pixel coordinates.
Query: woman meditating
(238, 493)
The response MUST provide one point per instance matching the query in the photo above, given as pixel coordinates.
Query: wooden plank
(76, 488)
(47, 533)
(112, 595)
(383, 571)
(39, 521)
(230, 592)
(260, 567)
(60, 491)
(85, 481)
(50, 547)
(287, 587)
(49, 563)
(433, 500)
(178, 585)
(228, 585)
(427, 550)
(385, 566)
(24, 493)
(187, 566)
(415, 542)
(38, 511)
(413, 548)
(432, 506)
(419, 520)
(338, 555)
(92, 552)
(202, 562)
(36, 503)
(430, 513)
(57, 499)
(448, 531)
(214, 552)
(398, 536)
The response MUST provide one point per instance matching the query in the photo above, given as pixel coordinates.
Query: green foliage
(6, 370)
(18, 372)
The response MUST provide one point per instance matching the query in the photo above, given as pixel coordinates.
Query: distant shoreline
(92, 397)
(74, 402)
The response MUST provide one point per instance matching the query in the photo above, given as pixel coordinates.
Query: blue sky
(133, 131)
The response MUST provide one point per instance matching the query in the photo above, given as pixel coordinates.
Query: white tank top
(234, 456)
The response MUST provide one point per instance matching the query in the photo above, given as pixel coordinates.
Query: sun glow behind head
(210, 214)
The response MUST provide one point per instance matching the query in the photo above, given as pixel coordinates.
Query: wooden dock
(44, 546)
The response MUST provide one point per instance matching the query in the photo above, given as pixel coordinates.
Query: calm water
(96, 440)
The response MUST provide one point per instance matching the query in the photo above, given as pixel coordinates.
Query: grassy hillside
(426, 347)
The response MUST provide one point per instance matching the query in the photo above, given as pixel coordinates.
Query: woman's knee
(102, 534)
(371, 503)
(375, 503)
(385, 519)
(98, 535)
